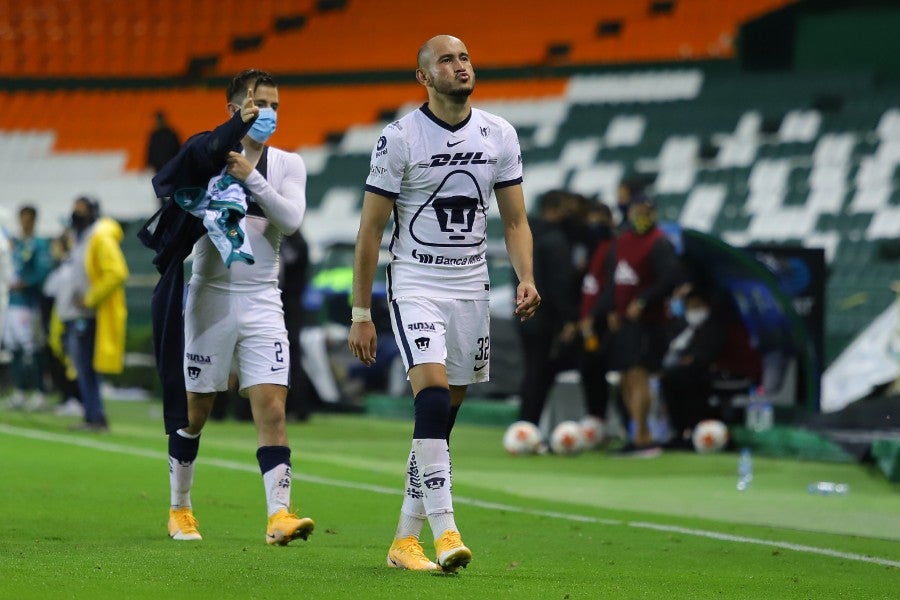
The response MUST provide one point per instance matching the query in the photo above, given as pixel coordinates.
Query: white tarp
(872, 359)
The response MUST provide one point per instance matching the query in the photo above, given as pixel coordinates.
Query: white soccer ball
(567, 438)
(522, 437)
(710, 436)
(593, 431)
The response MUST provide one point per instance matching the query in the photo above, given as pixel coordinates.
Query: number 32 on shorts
(484, 348)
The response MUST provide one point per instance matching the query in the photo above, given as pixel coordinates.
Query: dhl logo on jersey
(459, 158)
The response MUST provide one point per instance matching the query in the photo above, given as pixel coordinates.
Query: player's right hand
(527, 300)
(363, 342)
(249, 110)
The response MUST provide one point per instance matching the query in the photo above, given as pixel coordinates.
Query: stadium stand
(108, 38)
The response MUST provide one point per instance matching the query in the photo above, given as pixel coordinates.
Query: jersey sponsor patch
(457, 158)
(381, 147)
(430, 259)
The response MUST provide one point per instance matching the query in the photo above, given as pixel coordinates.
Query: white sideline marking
(739, 539)
(71, 440)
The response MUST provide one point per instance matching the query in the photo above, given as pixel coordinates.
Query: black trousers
(544, 358)
(686, 389)
(593, 367)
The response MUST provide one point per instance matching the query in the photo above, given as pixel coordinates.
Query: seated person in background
(688, 366)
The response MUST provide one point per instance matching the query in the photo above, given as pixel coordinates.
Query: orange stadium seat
(340, 41)
(157, 38)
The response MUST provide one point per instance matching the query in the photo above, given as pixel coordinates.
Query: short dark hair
(92, 203)
(29, 209)
(552, 199)
(244, 79)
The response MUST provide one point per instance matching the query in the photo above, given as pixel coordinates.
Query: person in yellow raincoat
(95, 327)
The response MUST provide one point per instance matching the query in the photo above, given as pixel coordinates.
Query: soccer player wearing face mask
(642, 270)
(233, 317)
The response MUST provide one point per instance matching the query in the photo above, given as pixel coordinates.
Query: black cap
(642, 198)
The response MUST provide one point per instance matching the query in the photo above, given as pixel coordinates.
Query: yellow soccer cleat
(183, 525)
(451, 552)
(407, 553)
(284, 527)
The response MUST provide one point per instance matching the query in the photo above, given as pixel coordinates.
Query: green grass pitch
(84, 516)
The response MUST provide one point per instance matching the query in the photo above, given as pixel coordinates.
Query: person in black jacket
(163, 143)
(686, 375)
(293, 279)
(549, 338)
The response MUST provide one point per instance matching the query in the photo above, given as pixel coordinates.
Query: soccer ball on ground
(522, 437)
(592, 431)
(709, 436)
(567, 438)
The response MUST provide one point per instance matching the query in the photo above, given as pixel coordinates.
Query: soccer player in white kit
(234, 319)
(435, 170)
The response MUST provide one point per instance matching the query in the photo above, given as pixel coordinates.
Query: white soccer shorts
(22, 329)
(454, 333)
(244, 333)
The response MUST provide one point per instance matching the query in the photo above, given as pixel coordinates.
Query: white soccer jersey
(441, 178)
(285, 178)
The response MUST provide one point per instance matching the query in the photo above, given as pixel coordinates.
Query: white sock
(435, 475)
(412, 513)
(277, 482)
(181, 477)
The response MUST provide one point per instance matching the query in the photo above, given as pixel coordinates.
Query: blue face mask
(264, 126)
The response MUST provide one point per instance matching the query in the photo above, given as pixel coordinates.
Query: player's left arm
(519, 246)
(284, 208)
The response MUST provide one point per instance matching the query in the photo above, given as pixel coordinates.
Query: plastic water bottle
(759, 410)
(828, 488)
(745, 470)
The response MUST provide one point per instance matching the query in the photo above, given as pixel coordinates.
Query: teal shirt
(32, 262)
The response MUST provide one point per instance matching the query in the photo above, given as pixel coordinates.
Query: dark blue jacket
(171, 233)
